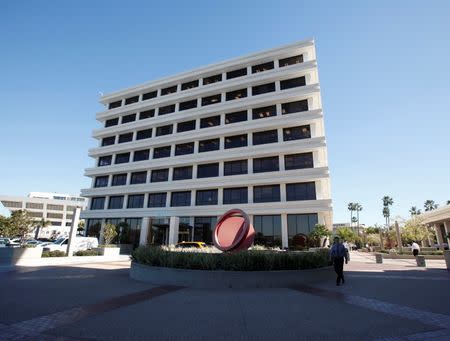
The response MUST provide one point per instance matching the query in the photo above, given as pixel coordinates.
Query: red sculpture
(233, 231)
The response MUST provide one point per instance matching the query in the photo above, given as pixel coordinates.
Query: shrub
(237, 261)
(87, 253)
(109, 233)
(56, 253)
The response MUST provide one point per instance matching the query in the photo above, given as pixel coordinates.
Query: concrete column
(144, 231)
(447, 230)
(283, 197)
(220, 196)
(440, 239)
(284, 231)
(173, 230)
(250, 194)
(73, 232)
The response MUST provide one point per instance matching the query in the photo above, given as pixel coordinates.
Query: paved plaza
(98, 301)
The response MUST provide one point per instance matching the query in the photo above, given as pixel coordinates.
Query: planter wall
(447, 259)
(109, 251)
(18, 255)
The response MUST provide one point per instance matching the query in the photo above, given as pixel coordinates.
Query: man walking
(338, 254)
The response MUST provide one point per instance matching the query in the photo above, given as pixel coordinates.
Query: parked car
(14, 242)
(4, 242)
(81, 244)
(197, 245)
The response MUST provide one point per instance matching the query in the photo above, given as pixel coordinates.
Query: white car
(81, 244)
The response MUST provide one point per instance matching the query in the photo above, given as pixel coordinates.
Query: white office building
(245, 133)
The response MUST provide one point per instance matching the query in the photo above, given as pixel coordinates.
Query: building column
(447, 230)
(440, 240)
(144, 231)
(73, 231)
(284, 231)
(173, 230)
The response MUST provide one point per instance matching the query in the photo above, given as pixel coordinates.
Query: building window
(212, 79)
(298, 161)
(169, 90)
(71, 208)
(300, 226)
(235, 167)
(208, 145)
(236, 94)
(211, 99)
(263, 137)
(131, 100)
(122, 158)
(125, 137)
(237, 73)
(98, 203)
(208, 122)
(157, 200)
(301, 191)
(292, 83)
(164, 130)
(119, 179)
(107, 141)
(104, 160)
(168, 109)
(38, 214)
(160, 152)
(236, 141)
(182, 173)
(264, 112)
(111, 122)
(189, 85)
(292, 107)
(237, 195)
(144, 134)
(138, 178)
(54, 215)
(268, 230)
(268, 193)
(13, 204)
(115, 104)
(203, 229)
(206, 197)
(146, 114)
(297, 133)
(160, 175)
(291, 60)
(33, 205)
(208, 170)
(184, 148)
(101, 181)
(149, 95)
(115, 202)
(235, 117)
(128, 118)
(135, 201)
(263, 89)
(180, 199)
(188, 105)
(265, 164)
(55, 207)
(263, 67)
(185, 126)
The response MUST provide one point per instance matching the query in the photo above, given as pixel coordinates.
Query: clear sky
(383, 66)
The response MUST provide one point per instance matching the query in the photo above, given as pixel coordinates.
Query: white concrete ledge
(55, 261)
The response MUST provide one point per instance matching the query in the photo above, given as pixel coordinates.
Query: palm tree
(351, 208)
(414, 211)
(358, 208)
(448, 202)
(387, 201)
(430, 205)
(41, 225)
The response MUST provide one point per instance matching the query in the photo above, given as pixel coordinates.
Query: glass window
(125, 137)
(291, 60)
(203, 229)
(159, 175)
(263, 67)
(138, 178)
(128, 118)
(135, 201)
(16, 204)
(122, 158)
(146, 114)
(182, 173)
(209, 145)
(104, 160)
(98, 203)
(144, 134)
(36, 206)
(236, 94)
(54, 215)
(188, 105)
(169, 90)
(180, 199)
(107, 141)
(55, 207)
(268, 230)
(131, 100)
(235, 167)
(111, 122)
(115, 104)
(263, 89)
(299, 227)
(101, 181)
(206, 197)
(168, 109)
(115, 202)
(149, 95)
(211, 99)
(298, 161)
(237, 195)
(264, 112)
(161, 152)
(184, 148)
(212, 79)
(185, 126)
(119, 179)
(131, 232)
(157, 199)
(93, 227)
(189, 85)
(164, 130)
(292, 107)
(268, 193)
(297, 133)
(208, 170)
(235, 117)
(265, 164)
(301, 191)
(292, 83)
(237, 73)
(235, 141)
(263, 137)
(208, 122)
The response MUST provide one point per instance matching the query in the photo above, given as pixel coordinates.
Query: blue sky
(383, 66)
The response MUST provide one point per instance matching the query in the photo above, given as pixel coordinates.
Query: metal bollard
(379, 258)
(420, 260)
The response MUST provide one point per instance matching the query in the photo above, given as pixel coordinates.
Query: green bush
(236, 261)
(53, 253)
(87, 253)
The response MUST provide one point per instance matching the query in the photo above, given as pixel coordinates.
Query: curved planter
(229, 279)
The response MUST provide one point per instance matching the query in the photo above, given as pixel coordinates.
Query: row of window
(235, 195)
(207, 122)
(36, 206)
(235, 141)
(208, 170)
(49, 215)
(207, 81)
(205, 101)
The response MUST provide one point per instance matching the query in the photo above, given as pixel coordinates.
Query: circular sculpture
(233, 231)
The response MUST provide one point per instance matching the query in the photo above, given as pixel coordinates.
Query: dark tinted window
(132, 100)
(208, 170)
(264, 112)
(119, 179)
(122, 158)
(235, 167)
(300, 224)
(144, 134)
(138, 178)
(292, 83)
(265, 164)
(208, 145)
(169, 90)
(182, 173)
(237, 195)
(157, 199)
(180, 199)
(236, 141)
(184, 148)
(112, 122)
(115, 202)
(262, 67)
(288, 108)
(146, 114)
(208, 122)
(206, 197)
(135, 201)
(127, 137)
(297, 133)
(301, 191)
(263, 137)
(263, 88)
(98, 203)
(115, 104)
(268, 230)
(237, 73)
(104, 160)
(236, 94)
(164, 130)
(235, 117)
(189, 85)
(149, 95)
(212, 79)
(141, 155)
(166, 110)
(159, 175)
(211, 99)
(101, 181)
(298, 161)
(188, 105)
(185, 126)
(266, 193)
(291, 60)
(128, 118)
(107, 141)
(161, 152)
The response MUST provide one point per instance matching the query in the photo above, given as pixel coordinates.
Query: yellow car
(197, 245)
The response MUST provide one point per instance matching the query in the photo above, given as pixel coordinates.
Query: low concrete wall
(394, 256)
(19, 255)
(229, 279)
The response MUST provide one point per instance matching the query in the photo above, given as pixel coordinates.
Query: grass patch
(56, 253)
(87, 253)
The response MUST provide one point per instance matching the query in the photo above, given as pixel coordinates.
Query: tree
(373, 239)
(41, 225)
(387, 201)
(109, 233)
(414, 230)
(346, 234)
(414, 211)
(358, 208)
(4, 226)
(319, 232)
(430, 205)
(351, 208)
(372, 230)
(448, 202)
(80, 227)
(20, 224)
